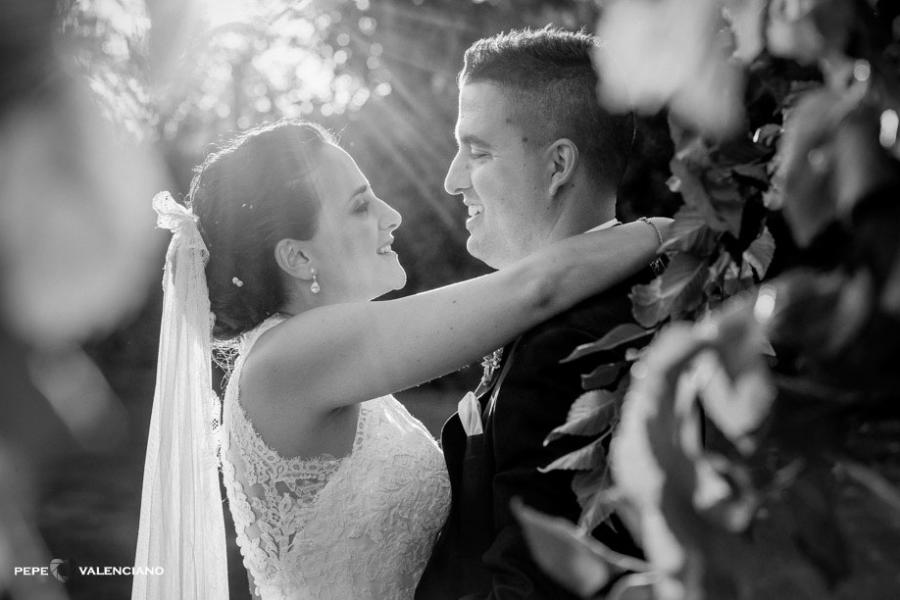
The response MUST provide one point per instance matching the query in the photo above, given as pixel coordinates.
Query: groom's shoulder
(597, 314)
(543, 346)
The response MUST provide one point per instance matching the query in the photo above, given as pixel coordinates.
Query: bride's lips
(385, 249)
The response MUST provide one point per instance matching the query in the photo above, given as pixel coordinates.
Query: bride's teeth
(475, 211)
(386, 249)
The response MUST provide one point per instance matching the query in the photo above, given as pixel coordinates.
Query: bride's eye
(361, 206)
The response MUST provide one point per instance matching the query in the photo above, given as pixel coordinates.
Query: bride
(336, 491)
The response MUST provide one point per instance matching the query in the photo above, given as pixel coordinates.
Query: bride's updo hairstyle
(252, 193)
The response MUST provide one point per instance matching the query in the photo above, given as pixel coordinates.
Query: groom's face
(501, 171)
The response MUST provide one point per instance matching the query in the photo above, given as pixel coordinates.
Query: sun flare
(218, 13)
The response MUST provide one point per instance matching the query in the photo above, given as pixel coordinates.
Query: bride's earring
(315, 288)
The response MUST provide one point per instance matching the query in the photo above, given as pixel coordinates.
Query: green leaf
(689, 184)
(586, 458)
(754, 171)
(737, 277)
(760, 252)
(872, 480)
(726, 203)
(592, 413)
(808, 165)
(890, 295)
(597, 512)
(602, 376)
(588, 485)
(715, 282)
(712, 193)
(767, 134)
(812, 520)
(737, 407)
(746, 19)
(677, 291)
(689, 233)
(724, 494)
(812, 33)
(821, 312)
(634, 354)
(592, 488)
(621, 334)
(634, 587)
(564, 552)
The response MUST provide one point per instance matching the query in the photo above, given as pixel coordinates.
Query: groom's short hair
(549, 80)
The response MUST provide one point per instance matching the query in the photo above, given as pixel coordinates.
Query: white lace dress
(324, 528)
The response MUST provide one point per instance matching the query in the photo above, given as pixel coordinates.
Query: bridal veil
(181, 524)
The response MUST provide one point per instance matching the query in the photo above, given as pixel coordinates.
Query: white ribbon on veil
(181, 526)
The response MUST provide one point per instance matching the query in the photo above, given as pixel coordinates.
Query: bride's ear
(292, 259)
(562, 158)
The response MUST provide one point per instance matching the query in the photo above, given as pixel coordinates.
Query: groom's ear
(562, 158)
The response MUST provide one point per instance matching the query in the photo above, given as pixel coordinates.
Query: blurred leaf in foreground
(685, 503)
(76, 233)
(590, 414)
(807, 160)
(670, 52)
(571, 557)
(808, 30)
(677, 291)
(819, 312)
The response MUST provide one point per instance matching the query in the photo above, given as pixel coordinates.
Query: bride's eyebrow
(360, 190)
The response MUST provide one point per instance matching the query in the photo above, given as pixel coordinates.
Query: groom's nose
(457, 178)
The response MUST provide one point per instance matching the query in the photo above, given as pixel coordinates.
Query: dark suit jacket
(481, 552)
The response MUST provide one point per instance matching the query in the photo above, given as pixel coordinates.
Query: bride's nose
(390, 219)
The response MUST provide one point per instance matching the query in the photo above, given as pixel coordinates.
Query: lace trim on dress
(271, 454)
(273, 495)
(325, 528)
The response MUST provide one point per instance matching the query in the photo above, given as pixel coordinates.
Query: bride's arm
(345, 353)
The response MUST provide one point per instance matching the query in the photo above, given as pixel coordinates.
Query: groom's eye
(361, 206)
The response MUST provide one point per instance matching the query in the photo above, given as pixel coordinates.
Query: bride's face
(351, 249)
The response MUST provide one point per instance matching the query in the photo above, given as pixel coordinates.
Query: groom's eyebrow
(473, 140)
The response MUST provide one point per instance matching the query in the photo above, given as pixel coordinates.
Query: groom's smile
(475, 211)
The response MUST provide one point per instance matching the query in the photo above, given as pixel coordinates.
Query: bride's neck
(302, 301)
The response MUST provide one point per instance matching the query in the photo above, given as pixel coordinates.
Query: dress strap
(236, 352)
(249, 338)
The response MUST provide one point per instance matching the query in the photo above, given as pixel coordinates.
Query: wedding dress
(358, 527)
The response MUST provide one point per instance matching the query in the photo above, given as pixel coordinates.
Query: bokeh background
(105, 102)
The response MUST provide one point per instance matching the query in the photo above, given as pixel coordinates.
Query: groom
(538, 161)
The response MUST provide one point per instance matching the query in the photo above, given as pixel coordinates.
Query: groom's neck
(580, 212)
